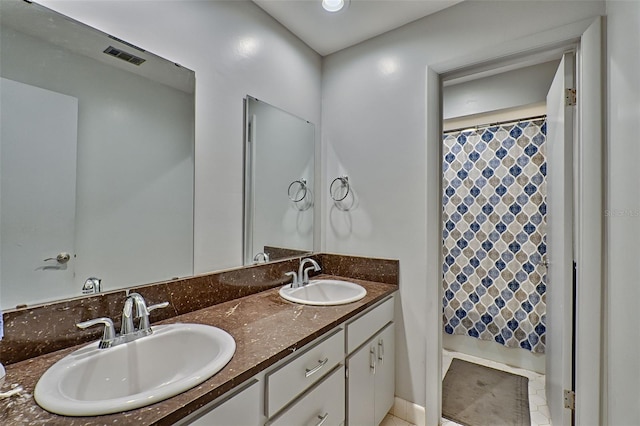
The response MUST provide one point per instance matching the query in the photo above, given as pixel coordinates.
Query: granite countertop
(266, 328)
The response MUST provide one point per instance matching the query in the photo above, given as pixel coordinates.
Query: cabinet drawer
(287, 382)
(240, 408)
(323, 404)
(365, 326)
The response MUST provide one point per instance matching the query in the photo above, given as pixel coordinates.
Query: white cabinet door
(385, 372)
(240, 409)
(360, 385)
(371, 379)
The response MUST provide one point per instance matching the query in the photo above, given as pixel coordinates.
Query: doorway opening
(587, 175)
(495, 152)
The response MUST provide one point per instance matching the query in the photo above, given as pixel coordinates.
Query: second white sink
(324, 293)
(175, 358)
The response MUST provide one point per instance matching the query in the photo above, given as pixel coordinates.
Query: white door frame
(588, 187)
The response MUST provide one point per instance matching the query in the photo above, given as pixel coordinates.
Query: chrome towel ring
(344, 182)
(294, 196)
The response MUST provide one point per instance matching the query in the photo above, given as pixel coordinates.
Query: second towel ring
(303, 189)
(344, 180)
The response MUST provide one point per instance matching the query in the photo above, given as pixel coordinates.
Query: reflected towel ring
(344, 180)
(303, 189)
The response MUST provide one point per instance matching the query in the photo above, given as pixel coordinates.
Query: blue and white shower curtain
(494, 210)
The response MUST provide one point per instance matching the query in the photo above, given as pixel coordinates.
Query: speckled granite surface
(266, 328)
(276, 253)
(37, 330)
(363, 268)
(243, 302)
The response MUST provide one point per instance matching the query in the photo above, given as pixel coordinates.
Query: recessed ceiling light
(332, 5)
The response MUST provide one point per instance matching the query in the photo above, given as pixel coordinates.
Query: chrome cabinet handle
(61, 258)
(322, 419)
(381, 351)
(372, 359)
(314, 370)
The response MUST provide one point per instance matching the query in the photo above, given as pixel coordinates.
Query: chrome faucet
(142, 312)
(302, 277)
(91, 285)
(261, 257)
(128, 331)
(303, 273)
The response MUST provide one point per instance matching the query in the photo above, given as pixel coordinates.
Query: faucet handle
(305, 278)
(294, 281)
(144, 319)
(157, 306)
(109, 331)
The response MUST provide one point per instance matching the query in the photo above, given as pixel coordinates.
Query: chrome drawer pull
(322, 419)
(312, 371)
(372, 359)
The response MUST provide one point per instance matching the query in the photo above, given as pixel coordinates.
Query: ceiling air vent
(121, 54)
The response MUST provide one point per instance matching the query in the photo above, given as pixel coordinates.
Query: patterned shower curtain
(494, 212)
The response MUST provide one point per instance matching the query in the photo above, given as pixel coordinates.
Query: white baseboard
(492, 351)
(408, 411)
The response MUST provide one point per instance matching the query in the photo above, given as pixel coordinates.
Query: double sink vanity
(264, 352)
(252, 345)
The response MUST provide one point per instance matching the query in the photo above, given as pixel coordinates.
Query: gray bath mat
(475, 395)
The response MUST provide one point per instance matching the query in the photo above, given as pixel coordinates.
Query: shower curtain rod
(497, 123)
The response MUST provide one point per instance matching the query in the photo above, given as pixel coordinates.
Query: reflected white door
(559, 294)
(37, 192)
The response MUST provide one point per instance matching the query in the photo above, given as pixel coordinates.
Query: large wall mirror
(96, 160)
(278, 183)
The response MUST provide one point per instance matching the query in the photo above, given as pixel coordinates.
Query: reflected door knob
(61, 258)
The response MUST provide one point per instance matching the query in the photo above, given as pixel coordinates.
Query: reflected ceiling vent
(121, 54)
(126, 42)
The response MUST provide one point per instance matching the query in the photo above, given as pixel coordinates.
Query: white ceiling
(360, 20)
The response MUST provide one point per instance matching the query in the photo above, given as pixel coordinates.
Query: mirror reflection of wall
(116, 190)
(279, 182)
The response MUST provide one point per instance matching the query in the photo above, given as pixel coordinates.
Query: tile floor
(391, 420)
(537, 399)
